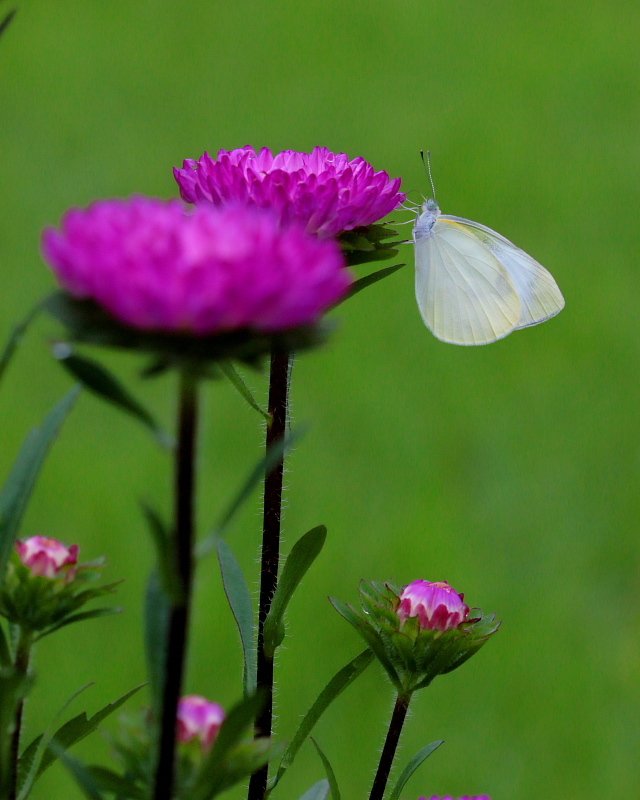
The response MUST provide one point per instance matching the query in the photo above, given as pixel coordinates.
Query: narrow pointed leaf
(19, 485)
(97, 378)
(80, 772)
(239, 598)
(263, 468)
(30, 760)
(319, 791)
(110, 781)
(82, 615)
(157, 607)
(302, 555)
(236, 379)
(76, 729)
(370, 637)
(368, 280)
(340, 681)
(18, 330)
(412, 766)
(5, 22)
(5, 652)
(163, 542)
(331, 776)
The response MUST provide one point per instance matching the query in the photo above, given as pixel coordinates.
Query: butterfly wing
(464, 293)
(540, 297)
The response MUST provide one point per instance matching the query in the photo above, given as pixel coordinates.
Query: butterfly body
(473, 286)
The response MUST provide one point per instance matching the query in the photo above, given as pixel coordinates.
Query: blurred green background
(510, 470)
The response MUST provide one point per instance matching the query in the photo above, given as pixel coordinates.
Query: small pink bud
(48, 557)
(197, 717)
(437, 606)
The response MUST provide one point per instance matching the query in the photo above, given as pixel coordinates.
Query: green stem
(21, 664)
(390, 746)
(182, 551)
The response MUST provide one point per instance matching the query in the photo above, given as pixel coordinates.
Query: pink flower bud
(48, 557)
(197, 717)
(437, 606)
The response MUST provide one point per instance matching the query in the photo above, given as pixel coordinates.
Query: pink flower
(437, 606)
(197, 717)
(48, 557)
(154, 266)
(324, 191)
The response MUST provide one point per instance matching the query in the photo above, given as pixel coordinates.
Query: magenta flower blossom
(437, 606)
(325, 192)
(199, 718)
(48, 557)
(154, 266)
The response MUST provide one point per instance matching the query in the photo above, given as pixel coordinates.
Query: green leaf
(370, 637)
(31, 757)
(239, 598)
(274, 455)
(355, 257)
(5, 650)
(412, 766)
(79, 771)
(340, 681)
(75, 730)
(319, 791)
(164, 549)
(17, 489)
(331, 776)
(18, 330)
(110, 781)
(236, 379)
(157, 608)
(96, 612)
(95, 377)
(302, 555)
(368, 280)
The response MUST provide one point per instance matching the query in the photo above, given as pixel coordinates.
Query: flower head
(48, 557)
(155, 267)
(199, 718)
(325, 192)
(437, 606)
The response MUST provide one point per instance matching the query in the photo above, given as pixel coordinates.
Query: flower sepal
(41, 597)
(367, 243)
(411, 654)
(88, 323)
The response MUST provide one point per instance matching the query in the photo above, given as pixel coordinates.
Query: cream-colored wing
(540, 297)
(464, 293)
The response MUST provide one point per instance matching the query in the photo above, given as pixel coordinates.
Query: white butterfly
(473, 286)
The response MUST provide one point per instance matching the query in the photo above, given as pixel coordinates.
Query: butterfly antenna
(427, 166)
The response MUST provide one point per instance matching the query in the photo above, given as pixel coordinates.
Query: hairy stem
(21, 664)
(182, 550)
(279, 378)
(390, 746)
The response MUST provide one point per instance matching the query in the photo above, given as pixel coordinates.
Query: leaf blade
(303, 553)
(368, 280)
(101, 382)
(412, 766)
(331, 776)
(237, 592)
(340, 681)
(236, 379)
(18, 330)
(319, 791)
(21, 481)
